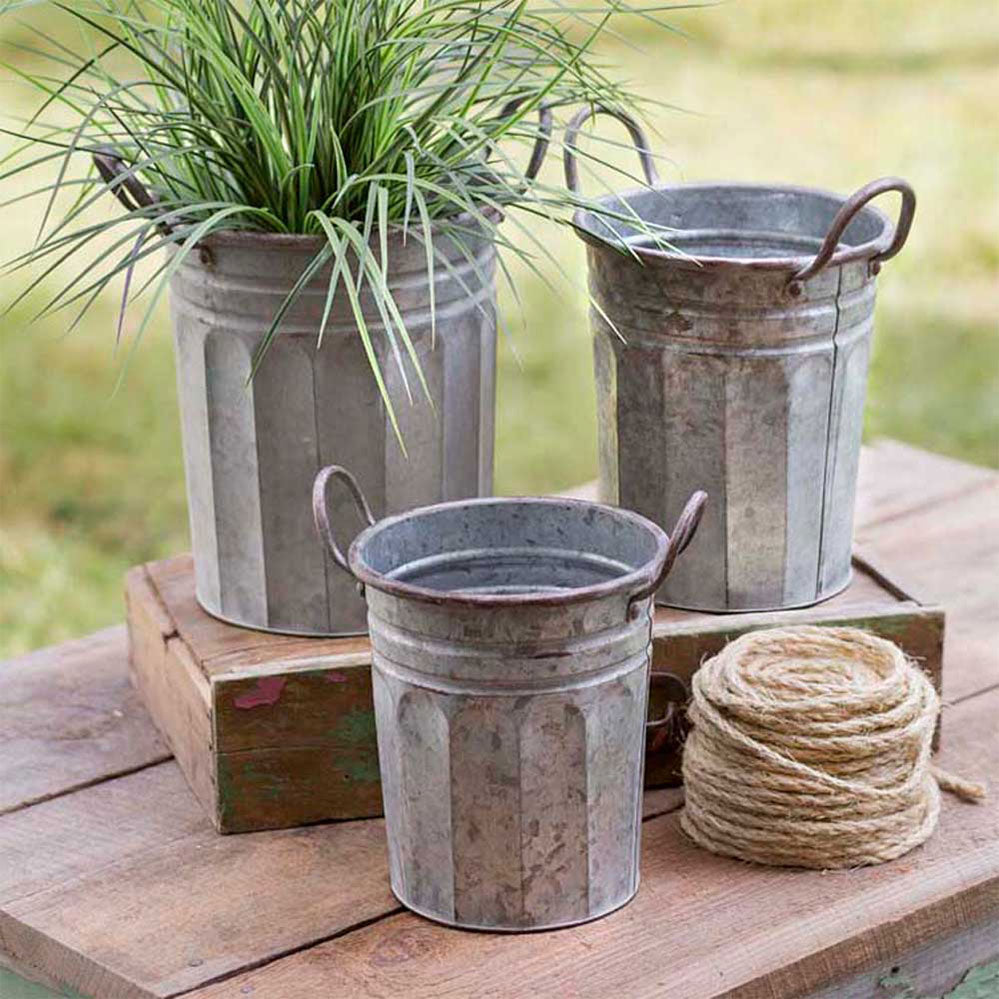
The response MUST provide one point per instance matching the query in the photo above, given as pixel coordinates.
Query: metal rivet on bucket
(511, 643)
(731, 352)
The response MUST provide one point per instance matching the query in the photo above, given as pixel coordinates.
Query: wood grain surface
(950, 554)
(125, 889)
(897, 480)
(700, 926)
(68, 717)
(120, 888)
(172, 686)
(217, 647)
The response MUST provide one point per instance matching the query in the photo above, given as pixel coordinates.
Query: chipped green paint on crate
(362, 768)
(896, 628)
(981, 982)
(308, 710)
(290, 775)
(356, 726)
(14, 987)
(897, 985)
(310, 756)
(260, 789)
(289, 737)
(270, 784)
(225, 788)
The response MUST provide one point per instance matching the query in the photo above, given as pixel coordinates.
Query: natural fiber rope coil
(810, 747)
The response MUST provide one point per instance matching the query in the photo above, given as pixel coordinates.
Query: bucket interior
(732, 221)
(500, 547)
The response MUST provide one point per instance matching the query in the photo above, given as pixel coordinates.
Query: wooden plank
(296, 743)
(63, 838)
(285, 739)
(215, 647)
(135, 827)
(898, 479)
(20, 982)
(70, 718)
(174, 689)
(700, 926)
(937, 968)
(950, 554)
(91, 861)
(124, 889)
(285, 786)
(328, 706)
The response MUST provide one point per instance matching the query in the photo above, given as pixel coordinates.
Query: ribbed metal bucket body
(252, 449)
(511, 646)
(714, 367)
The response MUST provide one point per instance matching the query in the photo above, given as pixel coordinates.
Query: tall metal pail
(511, 642)
(736, 358)
(253, 446)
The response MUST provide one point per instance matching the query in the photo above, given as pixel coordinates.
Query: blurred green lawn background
(798, 91)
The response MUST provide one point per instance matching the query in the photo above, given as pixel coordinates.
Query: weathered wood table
(112, 881)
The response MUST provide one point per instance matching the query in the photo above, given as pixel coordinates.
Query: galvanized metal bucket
(252, 448)
(737, 359)
(511, 642)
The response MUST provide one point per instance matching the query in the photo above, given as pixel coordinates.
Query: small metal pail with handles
(511, 642)
(735, 357)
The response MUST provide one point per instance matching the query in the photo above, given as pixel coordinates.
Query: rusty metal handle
(320, 511)
(544, 134)
(844, 217)
(668, 731)
(121, 180)
(634, 130)
(681, 536)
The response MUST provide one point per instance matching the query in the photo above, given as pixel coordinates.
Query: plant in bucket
(327, 180)
(735, 358)
(511, 643)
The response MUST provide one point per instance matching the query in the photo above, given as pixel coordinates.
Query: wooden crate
(274, 731)
(270, 730)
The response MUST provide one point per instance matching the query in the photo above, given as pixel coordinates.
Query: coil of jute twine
(810, 747)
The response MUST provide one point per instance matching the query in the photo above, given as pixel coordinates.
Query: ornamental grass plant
(340, 119)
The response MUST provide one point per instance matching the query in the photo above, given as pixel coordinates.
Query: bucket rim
(626, 584)
(259, 239)
(692, 261)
